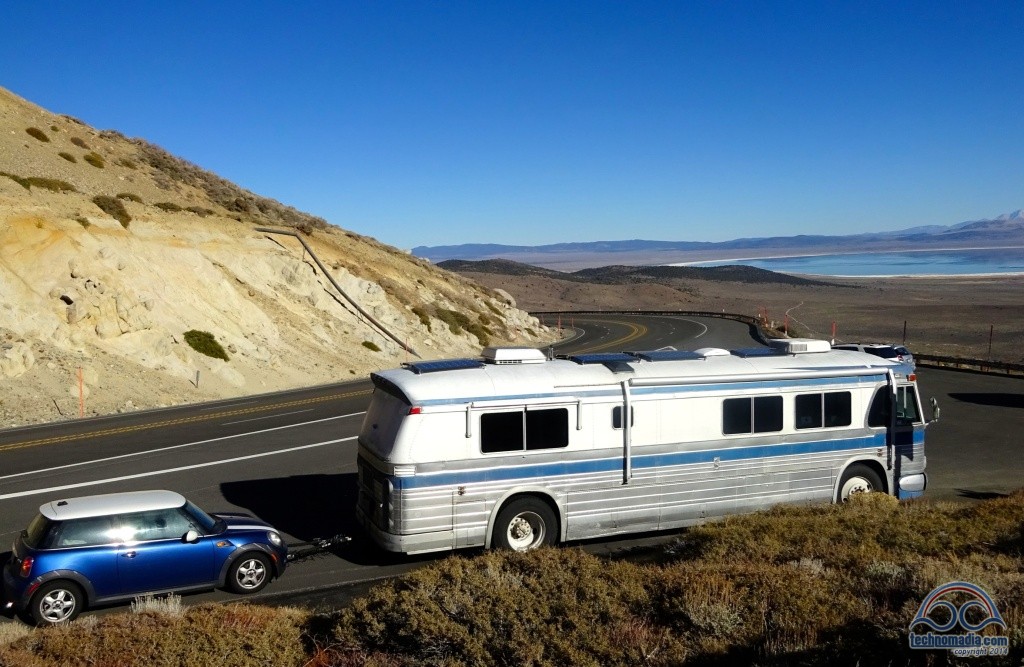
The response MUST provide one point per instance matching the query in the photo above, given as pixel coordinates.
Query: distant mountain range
(1004, 230)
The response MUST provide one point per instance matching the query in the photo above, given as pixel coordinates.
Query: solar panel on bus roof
(667, 355)
(419, 367)
(602, 358)
(749, 352)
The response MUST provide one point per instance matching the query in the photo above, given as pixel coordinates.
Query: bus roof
(455, 382)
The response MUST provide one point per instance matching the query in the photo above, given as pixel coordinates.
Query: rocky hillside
(111, 249)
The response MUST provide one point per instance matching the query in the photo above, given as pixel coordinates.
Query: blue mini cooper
(81, 552)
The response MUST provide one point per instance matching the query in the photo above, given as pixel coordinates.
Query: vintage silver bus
(514, 450)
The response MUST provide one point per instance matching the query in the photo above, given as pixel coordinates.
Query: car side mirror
(935, 411)
(191, 537)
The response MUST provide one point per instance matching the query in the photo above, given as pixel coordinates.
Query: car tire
(858, 478)
(525, 524)
(249, 573)
(56, 602)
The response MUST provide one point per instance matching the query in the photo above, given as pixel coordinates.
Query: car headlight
(274, 538)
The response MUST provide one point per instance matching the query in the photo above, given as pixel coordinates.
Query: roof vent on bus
(513, 355)
(711, 352)
(800, 345)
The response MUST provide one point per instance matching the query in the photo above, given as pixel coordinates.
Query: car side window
(88, 532)
(167, 524)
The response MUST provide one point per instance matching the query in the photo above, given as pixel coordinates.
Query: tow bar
(315, 546)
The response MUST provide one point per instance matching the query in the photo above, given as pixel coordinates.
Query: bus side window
(547, 429)
(906, 406)
(617, 417)
(759, 414)
(878, 415)
(501, 432)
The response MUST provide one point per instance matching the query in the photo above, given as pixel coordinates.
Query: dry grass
(798, 585)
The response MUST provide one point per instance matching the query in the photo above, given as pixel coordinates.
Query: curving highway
(289, 457)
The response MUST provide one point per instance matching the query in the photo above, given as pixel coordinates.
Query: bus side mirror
(935, 411)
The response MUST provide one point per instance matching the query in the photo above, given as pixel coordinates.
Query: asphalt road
(289, 458)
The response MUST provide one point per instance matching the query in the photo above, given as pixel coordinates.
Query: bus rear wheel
(524, 524)
(858, 479)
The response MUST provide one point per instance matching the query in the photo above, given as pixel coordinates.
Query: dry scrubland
(944, 316)
(826, 585)
(111, 249)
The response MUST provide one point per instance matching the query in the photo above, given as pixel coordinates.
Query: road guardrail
(927, 360)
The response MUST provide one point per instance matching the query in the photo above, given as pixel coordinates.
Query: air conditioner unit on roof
(513, 355)
(800, 345)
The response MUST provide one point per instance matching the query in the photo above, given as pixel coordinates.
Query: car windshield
(36, 531)
(209, 524)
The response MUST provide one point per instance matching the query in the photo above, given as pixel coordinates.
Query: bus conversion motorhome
(514, 450)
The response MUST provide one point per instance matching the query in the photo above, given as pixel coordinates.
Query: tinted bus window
(501, 432)
(617, 416)
(837, 409)
(547, 429)
(767, 414)
(808, 411)
(761, 414)
(736, 416)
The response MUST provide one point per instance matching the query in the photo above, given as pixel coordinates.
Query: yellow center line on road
(174, 422)
(636, 331)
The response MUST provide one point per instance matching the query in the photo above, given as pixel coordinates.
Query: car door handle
(128, 554)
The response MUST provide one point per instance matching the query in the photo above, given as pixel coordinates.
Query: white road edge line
(166, 471)
(164, 449)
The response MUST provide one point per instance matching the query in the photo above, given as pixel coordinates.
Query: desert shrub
(484, 320)
(37, 133)
(371, 346)
(170, 207)
(82, 221)
(203, 342)
(130, 197)
(171, 169)
(455, 320)
(421, 313)
(68, 156)
(113, 207)
(125, 162)
(52, 184)
(235, 634)
(549, 606)
(875, 527)
(79, 142)
(304, 227)
(55, 128)
(200, 211)
(95, 159)
(482, 333)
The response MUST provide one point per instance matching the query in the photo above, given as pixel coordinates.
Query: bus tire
(523, 524)
(858, 478)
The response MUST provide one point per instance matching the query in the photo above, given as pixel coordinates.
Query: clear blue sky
(522, 122)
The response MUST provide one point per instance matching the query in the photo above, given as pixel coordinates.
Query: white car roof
(110, 503)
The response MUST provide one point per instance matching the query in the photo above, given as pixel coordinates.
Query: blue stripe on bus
(638, 461)
(616, 390)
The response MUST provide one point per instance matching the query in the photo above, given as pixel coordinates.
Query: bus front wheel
(524, 524)
(858, 479)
